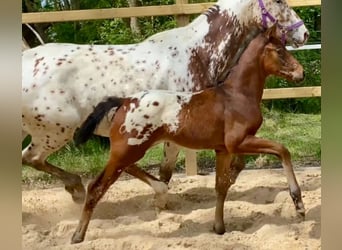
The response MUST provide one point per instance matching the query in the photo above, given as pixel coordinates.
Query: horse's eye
(278, 1)
(278, 50)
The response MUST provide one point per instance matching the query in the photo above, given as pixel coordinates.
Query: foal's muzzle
(298, 76)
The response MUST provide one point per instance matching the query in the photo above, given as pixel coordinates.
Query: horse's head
(277, 60)
(291, 28)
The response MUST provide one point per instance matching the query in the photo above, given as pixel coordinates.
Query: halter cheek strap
(284, 29)
(265, 14)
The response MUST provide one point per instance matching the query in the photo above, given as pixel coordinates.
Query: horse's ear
(272, 31)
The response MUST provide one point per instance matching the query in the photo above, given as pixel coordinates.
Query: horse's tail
(89, 125)
(35, 33)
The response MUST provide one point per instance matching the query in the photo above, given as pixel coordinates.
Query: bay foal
(224, 118)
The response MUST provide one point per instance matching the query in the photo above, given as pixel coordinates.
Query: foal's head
(278, 61)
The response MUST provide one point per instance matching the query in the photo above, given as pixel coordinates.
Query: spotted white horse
(61, 83)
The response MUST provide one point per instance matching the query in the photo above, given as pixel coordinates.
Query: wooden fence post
(182, 20)
(190, 161)
(190, 155)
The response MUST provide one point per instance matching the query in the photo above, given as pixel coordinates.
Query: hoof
(161, 202)
(301, 214)
(160, 197)
(77, 238)
(300, 210)
(219, 229)
(165, 180)
(165, 176)
(78, 193)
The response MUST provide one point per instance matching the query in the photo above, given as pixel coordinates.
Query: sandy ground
(259, 214)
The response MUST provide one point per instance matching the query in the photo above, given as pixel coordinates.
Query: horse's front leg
(253, 145)
(223, 182)
(171, 152)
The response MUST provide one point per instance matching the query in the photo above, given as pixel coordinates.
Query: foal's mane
(255, 47)
(258, 44)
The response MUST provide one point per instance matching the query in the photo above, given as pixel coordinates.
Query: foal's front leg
(223, 182)
(252, 145)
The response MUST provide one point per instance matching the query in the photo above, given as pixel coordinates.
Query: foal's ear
(272, 31)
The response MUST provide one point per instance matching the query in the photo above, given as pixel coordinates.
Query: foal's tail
(89, 125)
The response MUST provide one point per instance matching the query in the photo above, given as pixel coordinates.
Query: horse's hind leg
(35, 155)
(171, 152)
(159, 187)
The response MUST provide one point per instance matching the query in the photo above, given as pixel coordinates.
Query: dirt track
(259, 214)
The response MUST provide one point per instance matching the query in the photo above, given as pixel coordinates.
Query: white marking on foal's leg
(160, 189)
(295, 191)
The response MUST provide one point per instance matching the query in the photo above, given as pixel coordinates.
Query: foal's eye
(278, 1)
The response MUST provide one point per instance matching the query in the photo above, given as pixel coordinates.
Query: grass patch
(300, 133)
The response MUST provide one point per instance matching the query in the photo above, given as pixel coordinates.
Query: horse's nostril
(306, 35)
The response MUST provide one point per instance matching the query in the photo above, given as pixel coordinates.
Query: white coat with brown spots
(61, 83)
(151, 111)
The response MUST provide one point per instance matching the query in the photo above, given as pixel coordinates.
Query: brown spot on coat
(201, 60)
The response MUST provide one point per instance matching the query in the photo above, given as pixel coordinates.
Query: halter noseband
(284, 29)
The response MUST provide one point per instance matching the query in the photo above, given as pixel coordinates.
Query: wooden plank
(110, 13)
(297, 92)
(297, 3)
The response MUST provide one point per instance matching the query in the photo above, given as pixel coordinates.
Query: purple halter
(284, 29)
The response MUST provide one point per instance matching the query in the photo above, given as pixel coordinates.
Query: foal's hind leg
(252, 145)
(171, 152)
(96, 189)
(119, 159)
(35, 155)
(160, 188)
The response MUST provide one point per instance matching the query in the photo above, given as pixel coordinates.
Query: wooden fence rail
(297, 92)
(181, 9)
(109, 13)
